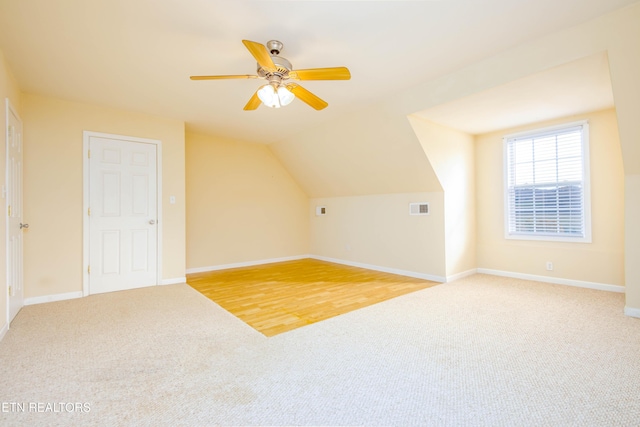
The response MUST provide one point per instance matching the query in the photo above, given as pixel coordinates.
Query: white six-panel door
(122, 214)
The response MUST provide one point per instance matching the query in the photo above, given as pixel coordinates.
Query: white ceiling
(139, 54)
(577, 87)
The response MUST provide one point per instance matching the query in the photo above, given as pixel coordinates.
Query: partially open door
(15, 225)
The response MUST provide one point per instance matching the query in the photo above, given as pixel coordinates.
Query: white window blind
(547, 184)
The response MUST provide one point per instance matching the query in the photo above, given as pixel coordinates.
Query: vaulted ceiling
(138, 54)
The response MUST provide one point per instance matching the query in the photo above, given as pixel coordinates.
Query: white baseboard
(554, 280)
(382, 269)
(461, 275)
(175, 281)
(73, 295)
(633, 312)
(244, 264)
(3, 330)
(52, 298)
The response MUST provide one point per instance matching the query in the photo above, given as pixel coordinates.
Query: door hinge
(10, 131)
(89, 211)
(89, 270)
(10, 290)
(88, 154)
(9, 210)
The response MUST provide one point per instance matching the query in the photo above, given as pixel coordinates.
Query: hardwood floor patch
(279, 297)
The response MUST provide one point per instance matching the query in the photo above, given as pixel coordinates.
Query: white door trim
(86, 135)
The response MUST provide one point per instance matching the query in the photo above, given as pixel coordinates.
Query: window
(547, 184)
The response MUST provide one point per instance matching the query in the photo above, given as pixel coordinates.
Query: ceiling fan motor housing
(283, 66)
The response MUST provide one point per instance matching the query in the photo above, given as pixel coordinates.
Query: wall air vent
(421, 208)
(321, 210)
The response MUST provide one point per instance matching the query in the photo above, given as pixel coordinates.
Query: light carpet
(481, 351)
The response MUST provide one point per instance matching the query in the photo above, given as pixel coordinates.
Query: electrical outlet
(549, 266)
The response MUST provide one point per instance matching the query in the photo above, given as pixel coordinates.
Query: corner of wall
(452, 155)
(243, 204)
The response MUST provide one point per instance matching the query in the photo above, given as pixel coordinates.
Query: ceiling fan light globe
(268, 96)
(285, 96)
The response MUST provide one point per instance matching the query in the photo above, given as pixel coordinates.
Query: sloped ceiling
(403, 55)
(580, 86)
(373, 151)
(138, 54)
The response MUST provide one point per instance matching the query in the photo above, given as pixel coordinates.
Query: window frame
(586, 184)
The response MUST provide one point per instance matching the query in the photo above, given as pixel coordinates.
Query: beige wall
(53, 190)
(367, 167)
(8, 86)
(8, 89)
(601, 261)
(377, 230)
(451, 154)
(242, 205)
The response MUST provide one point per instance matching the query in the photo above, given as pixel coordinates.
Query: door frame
(86, 136)
(9, 109)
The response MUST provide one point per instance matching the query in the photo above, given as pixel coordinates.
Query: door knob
(23, 226)
(152, 221)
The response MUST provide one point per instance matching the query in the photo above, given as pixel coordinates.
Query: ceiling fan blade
(253, 103)
(334, 73)
(307, 97)
(260, 52)
(245, 76)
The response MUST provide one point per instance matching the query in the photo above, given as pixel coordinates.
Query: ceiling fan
(278, 72)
